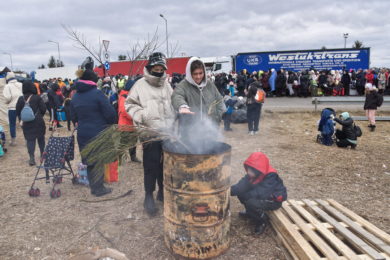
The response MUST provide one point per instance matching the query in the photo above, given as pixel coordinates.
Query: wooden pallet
(327, 230)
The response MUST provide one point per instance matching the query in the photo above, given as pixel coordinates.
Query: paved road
(304, 104)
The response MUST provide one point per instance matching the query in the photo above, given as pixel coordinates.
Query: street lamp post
(10, 56)
(345, 40)
(58, 47)
(166, 31)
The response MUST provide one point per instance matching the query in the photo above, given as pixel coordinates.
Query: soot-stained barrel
(196, 201)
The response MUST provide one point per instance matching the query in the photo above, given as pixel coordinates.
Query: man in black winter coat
(260, 190)
(346, 81)
(360, 82)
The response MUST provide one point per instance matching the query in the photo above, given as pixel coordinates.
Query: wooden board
(324, 229)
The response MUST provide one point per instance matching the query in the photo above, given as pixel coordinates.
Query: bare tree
(82, 43)
(174, 48)
(141, 51)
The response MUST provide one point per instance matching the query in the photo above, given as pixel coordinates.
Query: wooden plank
(287, 250)
(326, 225)
(314, 238)
(352, 238)
(368, 236)
(322, 228)
(366, 224)
(296, 241)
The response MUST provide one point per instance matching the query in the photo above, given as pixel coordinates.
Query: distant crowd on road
(306, 83)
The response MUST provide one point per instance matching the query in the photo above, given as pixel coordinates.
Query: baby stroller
(55, 161)
(325, 113)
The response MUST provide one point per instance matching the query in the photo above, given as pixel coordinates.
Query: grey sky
(202, 28)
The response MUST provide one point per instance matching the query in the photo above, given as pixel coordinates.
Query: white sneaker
(251, 133)
(256, 132)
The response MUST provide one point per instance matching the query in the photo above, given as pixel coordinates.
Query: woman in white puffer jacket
(12, 91)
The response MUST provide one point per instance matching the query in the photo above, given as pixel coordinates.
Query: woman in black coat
(371, 104)
(34, 130)
(346, 80)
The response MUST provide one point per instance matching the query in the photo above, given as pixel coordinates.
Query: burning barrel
(196, 200)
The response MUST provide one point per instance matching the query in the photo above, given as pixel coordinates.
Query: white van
(217, 65)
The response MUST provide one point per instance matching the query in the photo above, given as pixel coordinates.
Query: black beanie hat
(89, 75)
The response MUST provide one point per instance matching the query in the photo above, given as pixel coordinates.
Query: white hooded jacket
(12, 91)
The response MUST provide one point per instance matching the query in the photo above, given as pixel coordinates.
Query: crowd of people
(154, 100)
(306, 83)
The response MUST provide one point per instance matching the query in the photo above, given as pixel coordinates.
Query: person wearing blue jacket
(272, 81)
(260, 190)
(326, 127)
(92, 112)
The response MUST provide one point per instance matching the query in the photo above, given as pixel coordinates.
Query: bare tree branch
(141, 50)
(82, 43)
(173, 49)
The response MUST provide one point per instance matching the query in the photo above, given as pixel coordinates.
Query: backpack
(260, 96)
(27, 114)
(357, 130)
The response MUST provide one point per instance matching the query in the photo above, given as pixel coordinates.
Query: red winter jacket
(370, 77)
(266, 185)
(124, 117)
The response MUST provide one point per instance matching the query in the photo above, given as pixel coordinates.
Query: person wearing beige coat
(149, 104)
(11, 92)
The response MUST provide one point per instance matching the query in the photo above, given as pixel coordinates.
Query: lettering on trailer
(314, 55)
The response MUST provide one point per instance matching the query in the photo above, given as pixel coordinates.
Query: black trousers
(67, 114)
(31, 145)
(253, 116)
(256, 208)
(133, 151)
(153, 165)
(342, 139)
(227, 118)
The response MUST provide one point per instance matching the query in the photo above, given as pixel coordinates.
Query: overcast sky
(202, 28)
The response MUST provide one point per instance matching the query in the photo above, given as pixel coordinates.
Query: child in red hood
(260, 190)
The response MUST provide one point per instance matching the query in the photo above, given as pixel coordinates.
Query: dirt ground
(45, 228)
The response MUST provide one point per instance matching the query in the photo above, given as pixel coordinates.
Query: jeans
(12, 122)
(227, 118)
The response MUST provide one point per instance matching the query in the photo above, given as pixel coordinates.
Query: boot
(261, 224)
(149, 204)
(372, 128)
(134, 158)
(260, 228)
(31, 162)
(160, 195)
(13, 142)
(101, 191)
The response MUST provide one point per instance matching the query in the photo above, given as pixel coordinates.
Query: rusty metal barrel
(196, 201)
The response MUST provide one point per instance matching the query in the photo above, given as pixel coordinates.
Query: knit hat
(157, 58)
(345, 115)
(10, 75)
